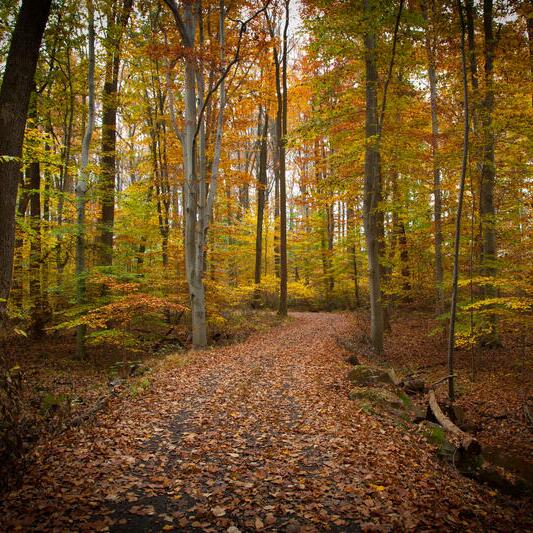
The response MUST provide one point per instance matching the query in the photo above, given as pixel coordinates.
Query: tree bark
(261, 186)
(488, 174)
(65, 180)
(116, 24)
(39, 308)
(352, 249)
(199, 196)
(529, 22)
(468, 443)
(455, 275)
(277, 162)
(81, 187)
(437, 193)
(283, 278)
(15, 94)
(372, 188)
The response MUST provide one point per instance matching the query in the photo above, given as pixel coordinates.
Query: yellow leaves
(511, 303)
(378, 488)
(124, 309)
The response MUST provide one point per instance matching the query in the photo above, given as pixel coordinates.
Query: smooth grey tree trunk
(81, 187)
(198, 197)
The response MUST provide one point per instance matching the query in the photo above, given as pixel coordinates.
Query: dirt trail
(254, 436)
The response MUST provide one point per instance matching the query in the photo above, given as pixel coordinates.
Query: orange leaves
(256, 436)
(124, 309)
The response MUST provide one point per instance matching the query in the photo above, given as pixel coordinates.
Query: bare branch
(226, 71)
(391, 66)
(171, 102)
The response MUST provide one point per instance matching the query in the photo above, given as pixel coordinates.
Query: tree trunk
(261, 186)
(116, 23)
(455, 275)
(282, 174)
(17, 285)
(15, 94)
(324, 253)
(81, 188)
(352, 250)
(488, 174)
(476, 152)
(194, 274)
(276, 154)
(372, 190)
(437, 193)
(529, 22)
(38, 305)
(64, 180)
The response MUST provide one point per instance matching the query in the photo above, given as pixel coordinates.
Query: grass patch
(140, 386)
(406, 401)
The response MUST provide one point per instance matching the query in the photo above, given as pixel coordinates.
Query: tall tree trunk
(81, 187)
(488, 173)
(64, 179)
(455, 275)
(276, 154)
(352, 251)
(261, 186)
(437, 193)
(116, 23)
(282, 173)
(529, 22)
(17, 286)
(372, 189)
(38, 307)
(15, 94)
(330, 226)
(193, 270)
(324, 252)
(476, 152)
(199, 196)
(373, 212)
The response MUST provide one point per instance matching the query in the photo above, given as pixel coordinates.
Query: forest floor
(258, 435)
(492, 398)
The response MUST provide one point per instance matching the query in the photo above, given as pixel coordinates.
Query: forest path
(255, 436)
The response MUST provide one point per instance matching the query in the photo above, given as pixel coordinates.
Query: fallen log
(468, 443)
(89, 413)
(413, 385)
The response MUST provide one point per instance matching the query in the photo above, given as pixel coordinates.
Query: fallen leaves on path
(251, 437)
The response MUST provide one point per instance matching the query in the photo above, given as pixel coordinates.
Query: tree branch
(226, 71)
(391, 66)
(179, 22)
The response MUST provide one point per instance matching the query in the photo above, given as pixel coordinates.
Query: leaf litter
(251, 437)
